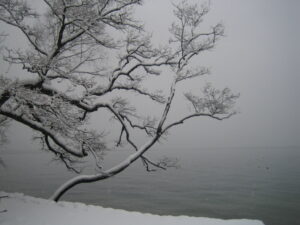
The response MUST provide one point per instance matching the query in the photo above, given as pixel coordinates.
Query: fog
(258, 58)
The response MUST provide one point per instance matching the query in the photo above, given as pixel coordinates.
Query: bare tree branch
(84, 59)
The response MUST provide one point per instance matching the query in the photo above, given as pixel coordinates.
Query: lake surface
(253, 183)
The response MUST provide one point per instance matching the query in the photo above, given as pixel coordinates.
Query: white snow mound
(18, 209)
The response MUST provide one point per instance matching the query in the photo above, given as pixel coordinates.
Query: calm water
(254, 183)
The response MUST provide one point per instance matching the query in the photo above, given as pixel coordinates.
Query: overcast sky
(258, 58)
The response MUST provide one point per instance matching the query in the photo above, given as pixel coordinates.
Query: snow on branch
(84, 59)
(187, 36)
(214, 101)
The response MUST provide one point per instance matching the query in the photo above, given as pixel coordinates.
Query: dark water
(253, 183)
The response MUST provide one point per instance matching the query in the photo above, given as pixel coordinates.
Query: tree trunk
(103, 175)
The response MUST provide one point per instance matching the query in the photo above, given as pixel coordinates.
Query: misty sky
(258, 58)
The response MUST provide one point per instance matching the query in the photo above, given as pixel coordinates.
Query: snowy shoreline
(26, 210)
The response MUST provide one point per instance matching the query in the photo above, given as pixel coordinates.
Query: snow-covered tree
(86, 58)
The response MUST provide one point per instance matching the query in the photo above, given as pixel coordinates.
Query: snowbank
(25, 210)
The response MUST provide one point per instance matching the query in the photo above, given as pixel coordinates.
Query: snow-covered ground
(19, 209)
